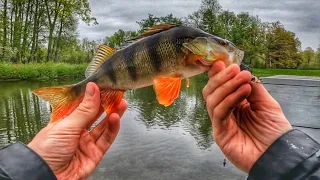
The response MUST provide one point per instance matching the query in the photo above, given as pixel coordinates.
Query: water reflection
(188, 112)
(23, 114)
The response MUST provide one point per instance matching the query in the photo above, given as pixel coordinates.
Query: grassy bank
(61, 70)
(297, 72)
(41, 71)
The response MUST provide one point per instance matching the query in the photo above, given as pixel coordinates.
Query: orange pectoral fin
(193, 57)
(167, 89)
(110, 99)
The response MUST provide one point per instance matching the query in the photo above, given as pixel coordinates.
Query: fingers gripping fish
(161, 56)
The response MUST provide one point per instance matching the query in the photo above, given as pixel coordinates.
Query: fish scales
(130, 61)
(153, 55)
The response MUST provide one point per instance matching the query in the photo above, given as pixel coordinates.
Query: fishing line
(305, 127)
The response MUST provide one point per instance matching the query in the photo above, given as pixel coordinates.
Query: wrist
(29, 163)
(67, 173)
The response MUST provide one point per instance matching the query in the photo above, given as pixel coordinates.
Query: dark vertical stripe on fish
(177, 40)
(111, 74)
(129, 59)
(152, 44)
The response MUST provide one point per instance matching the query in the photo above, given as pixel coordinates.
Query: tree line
(266, 44)
(45, 30)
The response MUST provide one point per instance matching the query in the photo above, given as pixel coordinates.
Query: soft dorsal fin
(102, 54)
(154, 30)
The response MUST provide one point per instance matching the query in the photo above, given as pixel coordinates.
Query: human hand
(246, 119)
(68, 148)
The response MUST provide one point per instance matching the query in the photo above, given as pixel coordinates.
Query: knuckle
(210, 101)
(215, 113)
(86, 108)
(204, 92)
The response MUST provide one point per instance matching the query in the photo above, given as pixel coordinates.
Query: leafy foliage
(30, 28)
(33, 31)
(154, 20)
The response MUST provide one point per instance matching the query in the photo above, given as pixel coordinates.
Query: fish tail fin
(61, 98)
(110, 99)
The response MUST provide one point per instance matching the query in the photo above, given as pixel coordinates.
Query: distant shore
(296, 72)
(45, 71)
(41, 71)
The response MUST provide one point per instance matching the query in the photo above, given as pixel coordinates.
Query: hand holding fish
(246, 119)
(68, 148)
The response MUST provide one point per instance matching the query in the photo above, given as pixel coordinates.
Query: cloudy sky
(299, 16)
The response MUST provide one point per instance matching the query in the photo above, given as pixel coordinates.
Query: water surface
(154, 142)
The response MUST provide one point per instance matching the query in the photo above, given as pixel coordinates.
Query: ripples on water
(22, 114)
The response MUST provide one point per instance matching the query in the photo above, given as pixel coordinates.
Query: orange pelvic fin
(167, 89)
(110, 100)
(62, 100)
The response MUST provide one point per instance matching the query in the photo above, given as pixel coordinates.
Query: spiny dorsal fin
(150, 31)
(154, 30)
(102, 54)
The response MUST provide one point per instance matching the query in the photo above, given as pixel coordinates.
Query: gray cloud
(299, 16)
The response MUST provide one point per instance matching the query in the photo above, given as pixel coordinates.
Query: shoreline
(63, 71)
(41, 71)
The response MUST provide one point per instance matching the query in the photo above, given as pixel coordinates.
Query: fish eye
(223, 42)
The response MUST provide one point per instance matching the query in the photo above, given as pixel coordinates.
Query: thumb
(87, 110)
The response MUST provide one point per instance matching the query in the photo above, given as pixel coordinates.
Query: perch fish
(161, 57)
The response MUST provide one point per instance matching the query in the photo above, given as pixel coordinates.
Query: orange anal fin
(110, 99)
(59, 113)
(167, 89)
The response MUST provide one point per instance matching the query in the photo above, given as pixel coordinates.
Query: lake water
(154, 142)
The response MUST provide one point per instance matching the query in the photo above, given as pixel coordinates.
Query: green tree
(119, 38)
(152, 20)
(206, 18)
(318, 54)
(309, 55)
(89, 47)
(27, 26)
(59, 11)
(248, 34)
(244, 30)
(282, 49)
(4, 27)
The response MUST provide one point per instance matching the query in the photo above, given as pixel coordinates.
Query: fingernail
(90, 90)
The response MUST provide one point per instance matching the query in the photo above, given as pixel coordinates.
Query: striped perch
(161, 56)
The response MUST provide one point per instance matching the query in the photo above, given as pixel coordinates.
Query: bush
(310, 66)
(10, 71)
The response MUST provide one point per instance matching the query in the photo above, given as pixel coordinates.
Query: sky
(299, 16)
